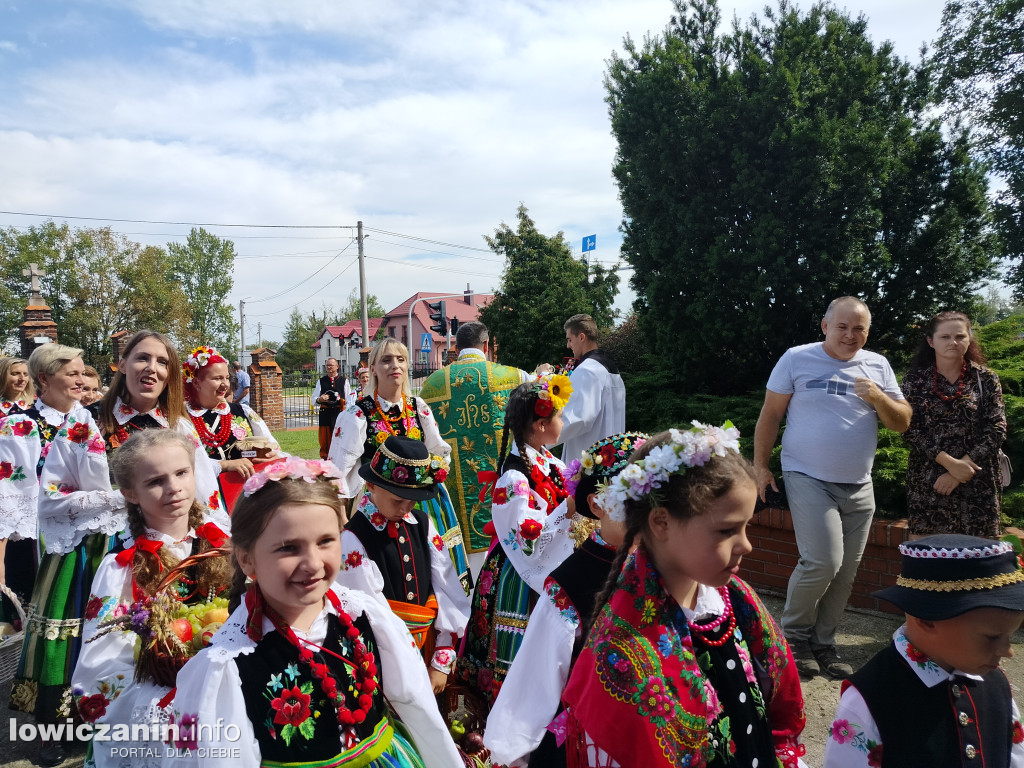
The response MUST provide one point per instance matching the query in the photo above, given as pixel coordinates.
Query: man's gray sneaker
(806, 662)
(830, 662)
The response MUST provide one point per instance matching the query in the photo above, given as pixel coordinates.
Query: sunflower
(560, 389)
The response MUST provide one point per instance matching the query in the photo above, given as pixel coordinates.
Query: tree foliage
(541, 287)
(204, 267)
(352, 310)
(766, 171)
(981, 56)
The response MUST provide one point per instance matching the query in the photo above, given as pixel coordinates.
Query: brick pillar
(364, 356)
(38, 328)
(118, 342)
(265, 394)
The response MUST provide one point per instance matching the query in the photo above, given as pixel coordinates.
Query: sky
(429, 122)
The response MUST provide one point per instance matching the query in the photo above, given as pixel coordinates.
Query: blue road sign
(425, 342)
(589, 243)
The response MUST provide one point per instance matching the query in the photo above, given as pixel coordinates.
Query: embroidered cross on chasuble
(468, 399)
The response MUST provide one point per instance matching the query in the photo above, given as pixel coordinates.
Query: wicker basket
(10, 646)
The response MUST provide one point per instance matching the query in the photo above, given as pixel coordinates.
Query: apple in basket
(183, 629)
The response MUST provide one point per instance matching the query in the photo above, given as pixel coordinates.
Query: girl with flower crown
(522, 725)
(683, 664)
(391, 409)
(148, 611)
(530, 525)
(310, 672)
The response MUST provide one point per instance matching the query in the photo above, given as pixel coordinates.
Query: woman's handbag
(1005, 467)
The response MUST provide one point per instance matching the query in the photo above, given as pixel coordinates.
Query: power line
(183, 223)
(436, 269)
(424, 240)
(286, 290)
(293, 306)
(427, 250)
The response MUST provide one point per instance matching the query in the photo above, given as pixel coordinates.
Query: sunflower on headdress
(559, 388)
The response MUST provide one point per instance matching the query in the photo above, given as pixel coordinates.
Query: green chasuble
(468, 399)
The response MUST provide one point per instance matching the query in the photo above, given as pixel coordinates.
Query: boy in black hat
(517, 727)
(390, 548)
(936, 696)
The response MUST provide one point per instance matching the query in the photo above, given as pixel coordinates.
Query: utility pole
(241, 325)
(362, 284)
(259, 333)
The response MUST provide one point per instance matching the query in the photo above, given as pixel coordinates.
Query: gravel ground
(862, 634)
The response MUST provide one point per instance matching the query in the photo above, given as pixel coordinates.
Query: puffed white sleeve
(347, 448)
(75, 497)
(19, 486)
(207, 487)
(358, 571)
(584, 407)
(105, 671)
(529, 697)
(535, 542)
(853, 738)
(406, 683)
(259, 426)
(431, 434)
(209, 695)
(453, 606)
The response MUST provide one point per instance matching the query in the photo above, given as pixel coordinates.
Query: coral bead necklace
(217, 438)
(700, 631)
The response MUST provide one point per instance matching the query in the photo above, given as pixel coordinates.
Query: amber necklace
(389, 421)
(959, 387)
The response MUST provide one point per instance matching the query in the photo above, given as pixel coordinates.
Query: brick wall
(38, 323)
(265, 395)
(775, 555)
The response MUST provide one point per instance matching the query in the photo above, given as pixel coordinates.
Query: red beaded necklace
(210, 438)
(700, 631)
(959, 388)
(363, 666)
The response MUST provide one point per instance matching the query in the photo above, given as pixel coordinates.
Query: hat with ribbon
(598, 463)
(406, 468)
(944, 576)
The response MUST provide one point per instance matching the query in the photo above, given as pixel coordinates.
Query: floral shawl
(637, 688)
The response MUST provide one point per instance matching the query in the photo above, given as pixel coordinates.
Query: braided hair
(519, 417)
(685, 495)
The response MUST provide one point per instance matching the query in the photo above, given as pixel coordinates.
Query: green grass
(299, 442)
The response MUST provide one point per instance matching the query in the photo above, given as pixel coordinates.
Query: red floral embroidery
(915, 655)
(78, 433)
(92, 707)
(500, 496)
(213, 502)
(875, 756)
(438, 542)
(292, 707)
(378, 520)
(354, 559)
(92, 608)
(6, 469)
(530, 529)
(607, 454)
(22, 428)
(1018, 732)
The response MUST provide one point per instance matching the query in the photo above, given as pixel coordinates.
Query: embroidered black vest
(582, 575)
(329, 411)
(228, 451)
(403, 562)
(368, 405)
(46, 433)
(961, 722)
(136, 423)
(289, 728)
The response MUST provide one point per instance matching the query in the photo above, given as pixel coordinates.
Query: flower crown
(200, 357)
(294, 468)
(552, 393)
(607, 457)
(411, 473)
(693, 447)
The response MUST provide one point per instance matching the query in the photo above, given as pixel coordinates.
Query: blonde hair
(381, 348)
(212, 574)
(48, 359)
(6, 364)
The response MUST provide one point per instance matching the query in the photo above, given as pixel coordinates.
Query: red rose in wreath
(607, 454)
(292, 707)
(440, 475)
(543, 408)
(530, 529)
(79, 433)
(92, 707)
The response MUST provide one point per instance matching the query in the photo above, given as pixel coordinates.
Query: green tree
(981, 56)
(541, 287)
(300, 333)
(204, 267)
(766, 171)
(352, 309)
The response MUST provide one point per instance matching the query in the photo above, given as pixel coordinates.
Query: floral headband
(407, 472)
(552, 394)
(200, 357)
(693, 447)
(294, 468)
(607, 457)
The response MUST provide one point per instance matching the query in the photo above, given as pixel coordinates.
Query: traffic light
(437, 314)
(455, 325)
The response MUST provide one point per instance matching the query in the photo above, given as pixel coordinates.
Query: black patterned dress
(967, 419)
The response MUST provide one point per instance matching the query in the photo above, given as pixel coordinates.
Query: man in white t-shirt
(832, 394)
(597, 407)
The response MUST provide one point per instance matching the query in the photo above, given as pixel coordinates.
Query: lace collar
(375, 516)
(50, 414)
(930, 673)
(221, 408)
(123, 413)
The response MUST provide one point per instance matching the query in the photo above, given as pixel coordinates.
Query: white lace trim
(63, 535)
(20, 518)
(957, 553)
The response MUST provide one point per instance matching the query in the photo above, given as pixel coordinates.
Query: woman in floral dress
(955, 433)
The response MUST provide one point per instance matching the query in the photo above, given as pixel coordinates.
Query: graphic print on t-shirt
(833, 386)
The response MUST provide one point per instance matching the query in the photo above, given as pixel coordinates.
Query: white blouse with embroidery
(358, 571)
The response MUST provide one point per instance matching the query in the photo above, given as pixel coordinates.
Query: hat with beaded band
(944, 576)
(601, 461)
(405, 467)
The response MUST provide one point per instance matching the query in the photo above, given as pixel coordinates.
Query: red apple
(183, 629)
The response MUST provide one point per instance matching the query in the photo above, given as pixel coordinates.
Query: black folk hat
(944, 576)
(405, 467)
(597, 464)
